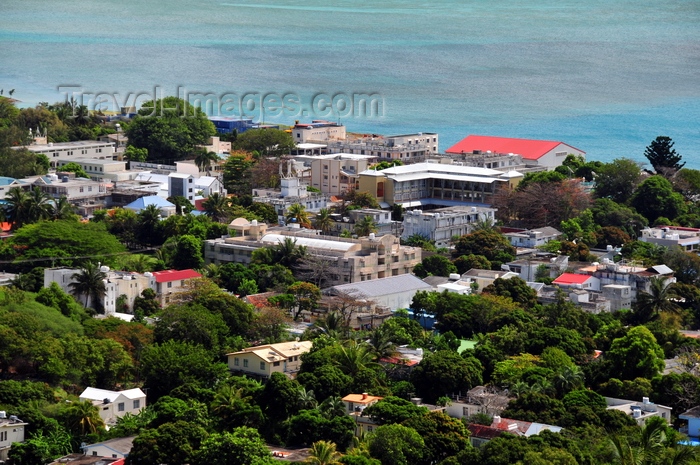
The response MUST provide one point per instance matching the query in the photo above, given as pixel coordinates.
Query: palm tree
(520, 388)
(16, 207)
(147, 224)
(203, 160)
(332, 324)
(307, 399)
(217, 207)
(288, 253)
(355, 357)
(85, 417)
(569, 379)
(381, 343)
(365, 226)
(39, 205)
(323, 220)
(89, 281)
(297, 214)
(658, 299)
(323, 453)
(332, 407)
(61, 209)
(642, 448)
(543, 386)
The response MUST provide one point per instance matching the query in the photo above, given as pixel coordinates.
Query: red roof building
(169, 282)
(547, 153)
(578, 281)
(175, 275)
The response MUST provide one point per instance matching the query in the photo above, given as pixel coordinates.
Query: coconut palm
(332, 407)
(365, 226)
(381, 343)
(39, 205)
(217, 207)
(204, 159)
(85, 418)
(307, 399)
(297, 214)
(323, 453)
(16, 207)
(520, 388)
(332, 324)
(147, 224)
(89, 282)
(658, 299)
(61, 209)
(323, 220)
(568, 379)
(646, 447)
(354, 357)
(287, 252)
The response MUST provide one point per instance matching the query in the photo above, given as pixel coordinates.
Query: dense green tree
(655, 197)
(662, 155)
(396, 445)
(170, 129)
(266, 142)
(169, 443)
(237, 174)
(187, 253)
(490, 244)
(435, 265)
(618, 180)
(61, 243)
(445, 372)
(241, 446)
(394, 410)
(635, 354)
(170, 364)
(133, 153)
(309, 426)
(515, 289)
(443, 436)
(191, 323)
(465, 263)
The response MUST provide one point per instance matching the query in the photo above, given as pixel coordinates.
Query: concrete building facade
(442, 224)
(338, 174)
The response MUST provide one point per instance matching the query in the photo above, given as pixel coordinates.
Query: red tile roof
(483, 432)
(571, 278)
(400, 361)
(175, 275)
(528, 148)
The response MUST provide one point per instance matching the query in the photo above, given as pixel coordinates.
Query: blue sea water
(606, 76)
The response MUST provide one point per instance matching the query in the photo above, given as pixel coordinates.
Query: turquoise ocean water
(606, 76)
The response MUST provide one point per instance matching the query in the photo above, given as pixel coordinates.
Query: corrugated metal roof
(383, 286)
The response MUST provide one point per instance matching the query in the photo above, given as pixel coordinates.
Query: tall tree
(266, 142)
(660, 298)
(618, 179)
(89, 282)
(662, 155)
(204, 159)
(323, 220)
(365, 226)
(217, 207)
(323, 453)
(656, 198)
(297, 214)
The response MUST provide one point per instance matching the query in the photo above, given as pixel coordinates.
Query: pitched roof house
(115, 404)
(264, 360)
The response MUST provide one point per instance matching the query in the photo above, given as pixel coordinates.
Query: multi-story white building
(101, 170)
(668, 236)
(73, 150)
(442, 224)
(118, 283)
(408, 148)
(337, 174)
(348, 260)
(318, 131)
(12, 430)
(533, 238)
(85, 194)
(115, 404)
(546, 153)
(436, 184)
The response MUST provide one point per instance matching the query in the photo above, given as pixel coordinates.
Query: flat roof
(310, 242)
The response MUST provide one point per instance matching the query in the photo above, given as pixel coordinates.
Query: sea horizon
(604, 77)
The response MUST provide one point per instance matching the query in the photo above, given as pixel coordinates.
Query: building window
(276, 364)
(170, 284)
(120, 406)
(137, 404)
(245, 363)
(236, 362)
(94, 452)
(262, 366)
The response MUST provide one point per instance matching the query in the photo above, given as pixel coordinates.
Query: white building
(533, 238)
(639, 411)
(11, 430)
(117, 448)
(182, 185)
(318, 131)
(100, 170)
(115, 404)
(394, 292)
(442, 224)
(408, 148)
(118, 283)
(546, 153)
(73, 150)
(667, 236)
